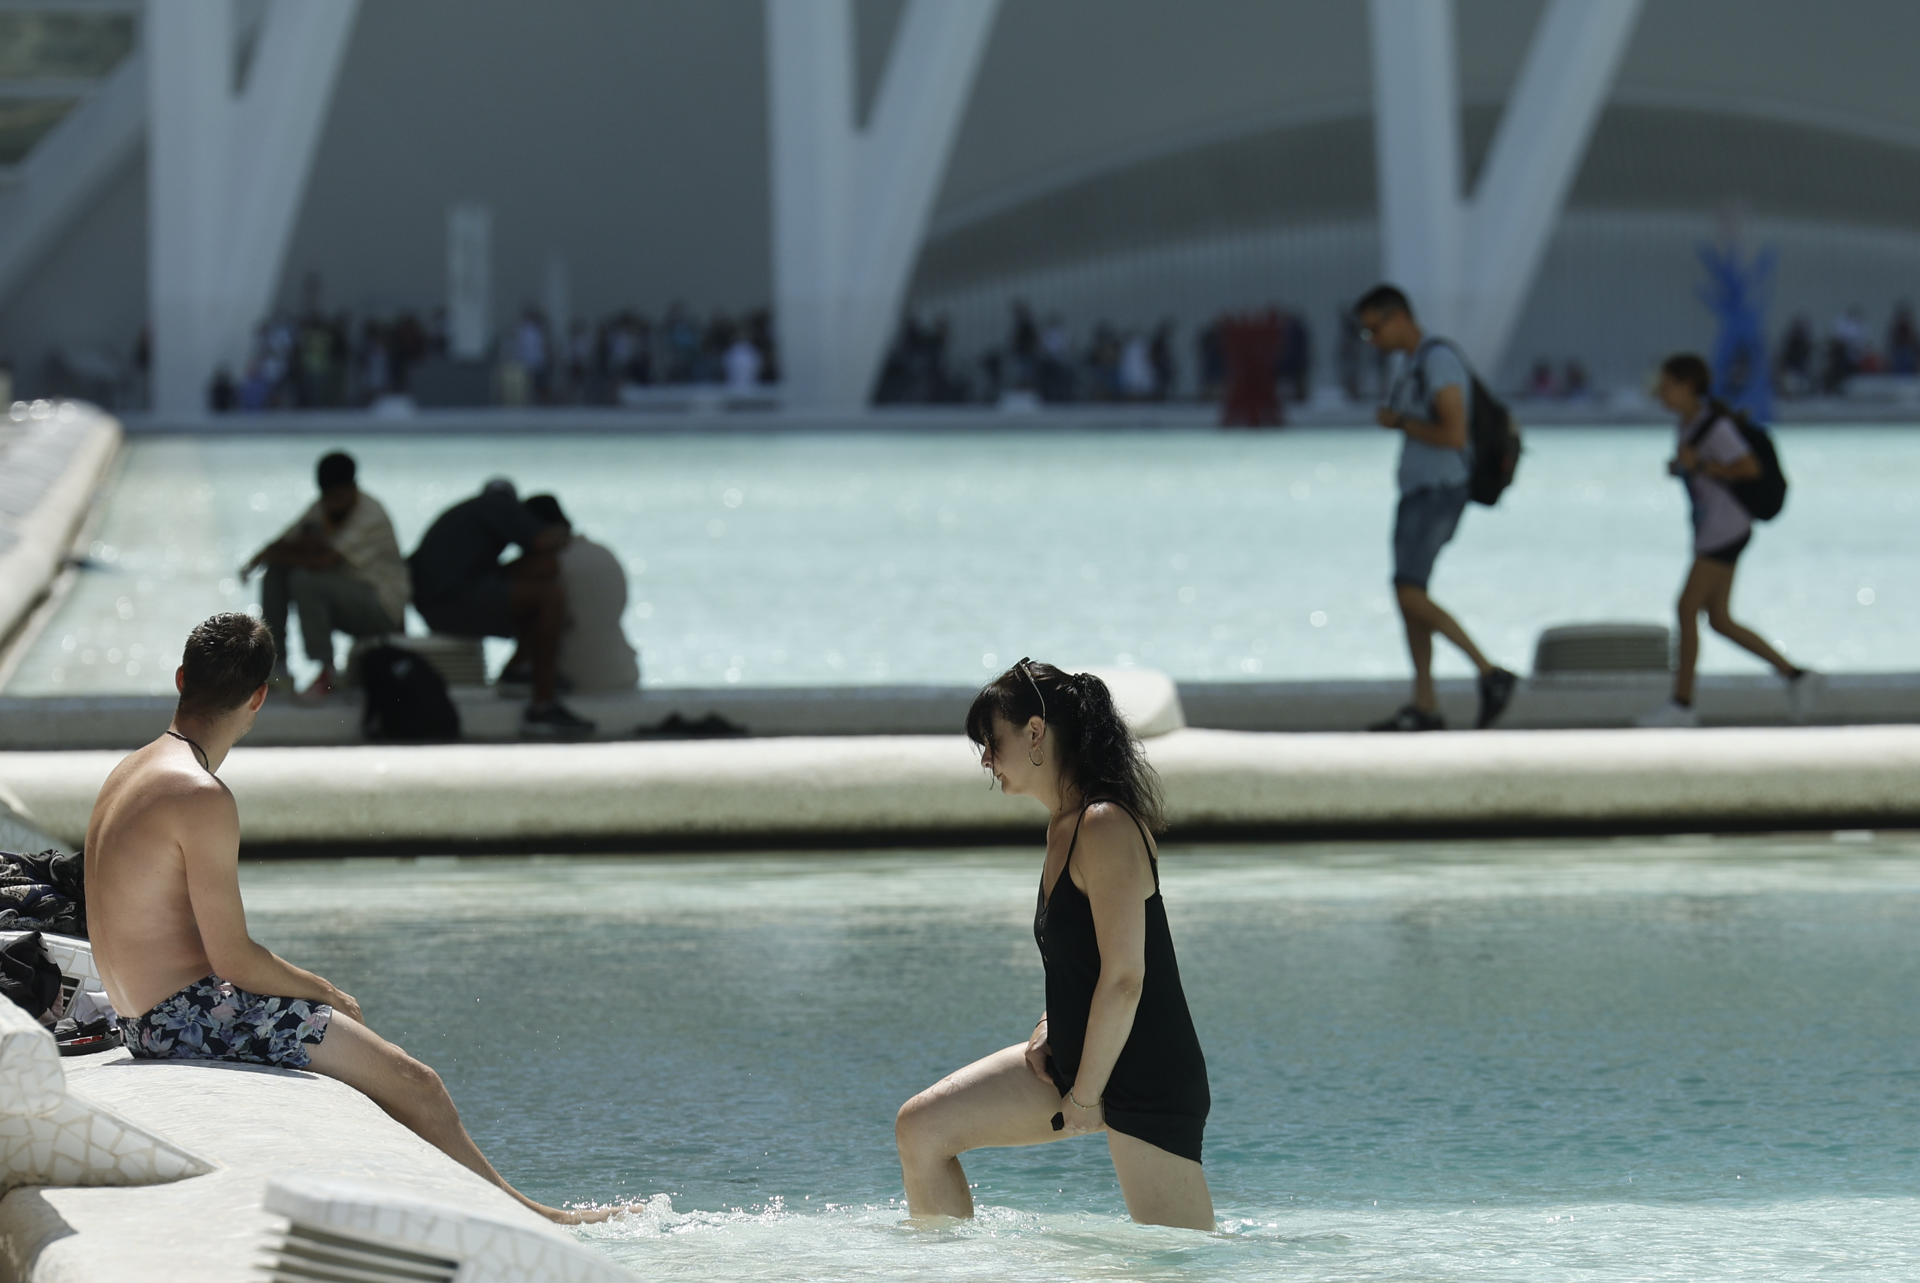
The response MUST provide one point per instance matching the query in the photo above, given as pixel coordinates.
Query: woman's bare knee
(913, 1124)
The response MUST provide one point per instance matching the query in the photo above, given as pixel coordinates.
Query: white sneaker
(1805, 694)
(1669, 714)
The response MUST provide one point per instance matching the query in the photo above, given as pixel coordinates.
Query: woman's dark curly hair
(1098, 753)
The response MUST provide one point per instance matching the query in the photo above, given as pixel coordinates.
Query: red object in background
(1251, 345)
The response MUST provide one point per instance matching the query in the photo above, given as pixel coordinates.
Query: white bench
(1584, 650)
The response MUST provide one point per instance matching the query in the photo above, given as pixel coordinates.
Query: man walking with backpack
(1430, 401)
(1724, 474)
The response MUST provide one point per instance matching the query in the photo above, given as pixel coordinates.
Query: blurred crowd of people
(1810, 366)
(1040, 359)
(321, 360)
(1045, 359)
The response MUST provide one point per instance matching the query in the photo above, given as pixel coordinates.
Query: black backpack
(1491, 431)
(1765, 495)
(405, 698)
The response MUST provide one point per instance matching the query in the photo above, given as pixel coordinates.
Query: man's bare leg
(1420, 651)
(415, 1097)
(1424, 617)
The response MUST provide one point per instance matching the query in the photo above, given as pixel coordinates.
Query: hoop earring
(1033, 756)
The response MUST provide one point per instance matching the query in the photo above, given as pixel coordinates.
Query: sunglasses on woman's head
(1026, 666)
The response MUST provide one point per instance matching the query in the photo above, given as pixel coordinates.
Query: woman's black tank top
(1158, 1090)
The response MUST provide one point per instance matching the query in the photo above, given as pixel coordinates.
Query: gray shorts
(482, 607)
(1422, 525)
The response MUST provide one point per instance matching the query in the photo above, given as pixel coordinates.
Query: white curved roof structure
(631, 137)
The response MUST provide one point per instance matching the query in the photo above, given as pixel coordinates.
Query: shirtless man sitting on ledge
(170, 934)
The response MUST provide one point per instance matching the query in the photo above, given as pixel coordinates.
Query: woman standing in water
(1115, 1050)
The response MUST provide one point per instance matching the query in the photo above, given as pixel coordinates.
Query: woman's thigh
(1707, 580)
(1160, 1188)
(996, 1101)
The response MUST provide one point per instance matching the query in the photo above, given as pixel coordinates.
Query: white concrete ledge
(52, 1135)
(50, 466)
(341, 1230)
(929, 789)
(1631, 779)
(1561, 703)
(1149, 700)
(255, 1124)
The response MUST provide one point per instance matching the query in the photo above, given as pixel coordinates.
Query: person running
(1712, 456)
(169, 930)
(1429, 402)
(1115, 1050)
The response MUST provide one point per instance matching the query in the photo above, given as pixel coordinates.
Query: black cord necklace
(201, 752)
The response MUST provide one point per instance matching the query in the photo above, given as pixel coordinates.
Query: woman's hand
(1390, 419)
(1688, 460)
(1037, 1052)
(1077, 1121)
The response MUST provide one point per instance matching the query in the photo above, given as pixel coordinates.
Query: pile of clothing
(44, 892)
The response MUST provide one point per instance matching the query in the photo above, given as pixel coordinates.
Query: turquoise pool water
(1669, 1059)
(828, 559)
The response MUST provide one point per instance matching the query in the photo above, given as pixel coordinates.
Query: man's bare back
(157, 803)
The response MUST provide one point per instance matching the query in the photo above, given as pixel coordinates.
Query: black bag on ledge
(28, 978)
(406, 700)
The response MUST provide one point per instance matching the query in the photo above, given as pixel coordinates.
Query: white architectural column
(189, 49)
(1416, 112)
(275, 134)
(226, 173)
(810, 137)
(850, 206)
(1468, 264)
(1537, 150)
(900, 161)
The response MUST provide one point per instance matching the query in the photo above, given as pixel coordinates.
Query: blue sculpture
(1736, 293)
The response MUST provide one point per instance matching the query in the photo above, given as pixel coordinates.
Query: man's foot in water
(582, 1215)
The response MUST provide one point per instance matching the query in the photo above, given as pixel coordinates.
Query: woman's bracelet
(1076, 1100)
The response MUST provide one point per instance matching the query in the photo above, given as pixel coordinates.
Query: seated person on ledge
(594, 653)
(170, 933)
(461, 589)
(339, 566)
